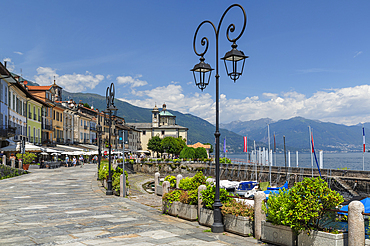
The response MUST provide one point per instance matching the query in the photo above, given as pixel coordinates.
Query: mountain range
(327, 136)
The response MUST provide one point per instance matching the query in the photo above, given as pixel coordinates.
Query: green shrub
(208, 196)
(171, 179)
(201, 153)
(187, 153)
(222, 160)
(305, 206)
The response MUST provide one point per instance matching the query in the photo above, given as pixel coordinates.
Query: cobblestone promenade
(67, 206)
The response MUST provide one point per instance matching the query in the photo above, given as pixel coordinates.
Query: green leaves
(304, 206)
(208, 196)
(28, 157)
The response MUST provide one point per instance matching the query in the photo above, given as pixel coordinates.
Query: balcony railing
(34, 117)
(39, 118)
(60, 140)
(48, 127)
(85, 127)
(30, 115)
(7, 131)
(76, 140)
(92, 128)
(31, 139)
(86, 141)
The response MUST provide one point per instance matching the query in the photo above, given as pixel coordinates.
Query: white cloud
(346, 105)
(132, 82)
(70, 82)
(357, 54)
(9, 64)
(19, 53)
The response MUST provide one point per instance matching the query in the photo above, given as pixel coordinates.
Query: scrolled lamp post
(99, 140)
(203, 71)
(110, 108)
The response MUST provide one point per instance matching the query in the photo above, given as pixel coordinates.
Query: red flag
(245, 144)
(312, 142)
(274, 143)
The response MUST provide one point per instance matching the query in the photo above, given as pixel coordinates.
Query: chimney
(5, 62)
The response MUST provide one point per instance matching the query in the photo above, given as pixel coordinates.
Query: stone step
(346, 186)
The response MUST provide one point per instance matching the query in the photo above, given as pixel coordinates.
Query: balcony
(86, 141)
(30, 115)
(39, 118)
(60, 140)
(34, 117)
(7, 131)
(85, 127)
(92, 128)
(47, 127)
(31, 139)
(76, 140)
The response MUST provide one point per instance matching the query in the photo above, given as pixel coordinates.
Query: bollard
(178, 179)
(12, 163)
(20, 164)
(356, 227)
(122, 182)
(4, 160)
(165, 187)
(156, 182)
(200, 188)
(210, 180)
(259, 215)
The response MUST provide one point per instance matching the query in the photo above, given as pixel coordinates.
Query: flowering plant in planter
(208, 196)
(238, 208)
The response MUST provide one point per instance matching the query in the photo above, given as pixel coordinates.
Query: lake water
(352, 161)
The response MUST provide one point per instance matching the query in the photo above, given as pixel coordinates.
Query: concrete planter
(170, 208)
(188, 212)
(34, 167)
(206, 217)
(278, 234)
(318, 238)
(159, 190)
(238, 225)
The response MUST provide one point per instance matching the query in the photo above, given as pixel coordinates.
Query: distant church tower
(155, 117)
(57, 95)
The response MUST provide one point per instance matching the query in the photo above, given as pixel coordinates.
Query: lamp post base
(109, 192)
(217, 228)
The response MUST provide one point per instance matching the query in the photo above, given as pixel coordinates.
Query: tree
(187, 153)
(154, 145)
(28, 157)
(211, 149)
(173, 145)
(86, 105)
(200, 153)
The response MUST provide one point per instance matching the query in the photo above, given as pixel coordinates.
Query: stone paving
(67, 206)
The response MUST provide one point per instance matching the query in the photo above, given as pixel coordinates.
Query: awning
(17, 148)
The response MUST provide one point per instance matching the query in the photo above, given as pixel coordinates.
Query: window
(10, 99)
(144, 132)
(13, 102)
(57, 116)
(81, 122)
(61, 117)
(162, 132)
(54, 115)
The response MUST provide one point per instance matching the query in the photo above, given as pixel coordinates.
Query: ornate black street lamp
(99, 140)
(110, 108)
(203, 71)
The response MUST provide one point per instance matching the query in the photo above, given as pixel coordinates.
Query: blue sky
(307, 58)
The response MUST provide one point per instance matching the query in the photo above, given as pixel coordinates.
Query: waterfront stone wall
(349, 183)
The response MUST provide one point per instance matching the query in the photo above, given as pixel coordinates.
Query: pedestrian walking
(67, 160)
(81, 160)
(74, 161)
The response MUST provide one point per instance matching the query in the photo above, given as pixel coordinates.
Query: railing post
(259, 215)
(165, 187)
(178, 179)
(200, 200)
(356, 227)
(156, 182)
